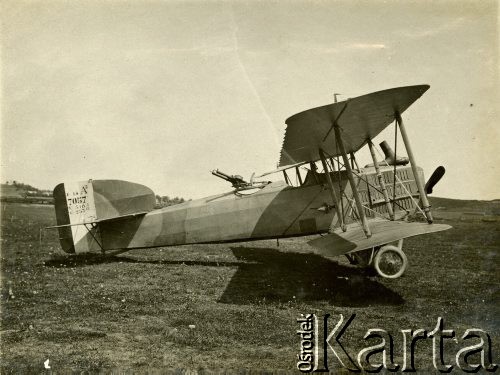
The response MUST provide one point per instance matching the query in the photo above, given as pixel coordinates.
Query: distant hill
(10, 191)
(23, 193)
(465, 210)
(487, 207)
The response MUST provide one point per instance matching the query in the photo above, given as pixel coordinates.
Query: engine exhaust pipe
(390, 157)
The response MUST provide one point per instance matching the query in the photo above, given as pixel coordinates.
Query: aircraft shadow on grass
(266, 275)
(269, 275)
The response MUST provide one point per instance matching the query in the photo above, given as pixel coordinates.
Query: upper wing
(360, 119)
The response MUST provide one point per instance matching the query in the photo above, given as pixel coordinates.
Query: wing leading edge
(360, 119)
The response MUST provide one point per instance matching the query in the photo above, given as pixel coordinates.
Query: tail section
(81, 206)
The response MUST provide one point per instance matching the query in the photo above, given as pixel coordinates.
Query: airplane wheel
(390, 262)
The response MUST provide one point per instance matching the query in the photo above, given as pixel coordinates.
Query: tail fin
(81, 206)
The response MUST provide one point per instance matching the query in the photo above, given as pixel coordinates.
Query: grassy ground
(135, 311)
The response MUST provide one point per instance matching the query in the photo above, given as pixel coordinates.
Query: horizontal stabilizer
(99, 221)
(383, 232)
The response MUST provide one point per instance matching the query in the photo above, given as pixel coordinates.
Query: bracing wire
(402, 185)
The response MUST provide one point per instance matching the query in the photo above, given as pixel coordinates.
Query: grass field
(137, 311)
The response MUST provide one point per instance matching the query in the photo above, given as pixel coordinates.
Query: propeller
(434, 179)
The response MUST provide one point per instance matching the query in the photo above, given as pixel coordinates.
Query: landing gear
(387, 261)
(390, 262)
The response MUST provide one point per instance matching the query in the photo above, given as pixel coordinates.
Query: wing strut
(364, 221)
(334, 123)
(420, 184)
(336, 202)
(381, 181)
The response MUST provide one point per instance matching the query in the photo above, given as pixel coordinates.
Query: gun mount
(237, 181)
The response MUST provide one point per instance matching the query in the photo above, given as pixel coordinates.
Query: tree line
(165, 201)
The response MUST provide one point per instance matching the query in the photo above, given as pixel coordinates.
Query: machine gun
(237, 181)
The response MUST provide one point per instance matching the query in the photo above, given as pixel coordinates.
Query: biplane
(364, 213)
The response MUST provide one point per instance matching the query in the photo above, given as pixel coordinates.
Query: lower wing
(383, 232)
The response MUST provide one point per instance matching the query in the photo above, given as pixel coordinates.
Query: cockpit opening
(312, 174)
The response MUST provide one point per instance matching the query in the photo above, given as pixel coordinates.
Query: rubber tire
(378, 256)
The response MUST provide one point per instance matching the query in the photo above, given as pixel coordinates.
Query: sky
(162, 92)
